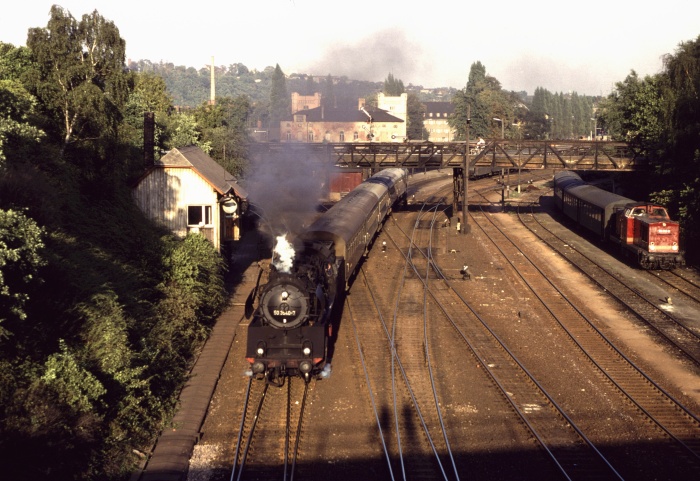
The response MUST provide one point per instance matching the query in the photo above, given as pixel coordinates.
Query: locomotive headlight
(285, 295)
(306, 351)
(260, 351)
(305, 366)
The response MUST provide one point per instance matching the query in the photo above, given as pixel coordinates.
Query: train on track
(642, 231)
(481, 171)
(293, 312)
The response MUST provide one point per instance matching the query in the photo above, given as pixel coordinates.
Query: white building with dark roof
(436, 121)
(186, 191)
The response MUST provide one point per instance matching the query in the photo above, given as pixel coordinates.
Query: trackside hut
(188, 191)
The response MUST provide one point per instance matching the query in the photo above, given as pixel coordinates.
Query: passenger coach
(642, 230)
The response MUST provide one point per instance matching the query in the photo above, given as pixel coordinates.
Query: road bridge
(511, 154)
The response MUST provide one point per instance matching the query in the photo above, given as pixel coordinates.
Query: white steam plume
(283, 255)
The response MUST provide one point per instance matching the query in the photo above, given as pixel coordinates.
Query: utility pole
(465, 170)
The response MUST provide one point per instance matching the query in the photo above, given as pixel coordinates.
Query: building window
(310, 137)
(355, 136)
(341, 136)
(199, 216)
(299, 118)
(437, 114)
(289, 136)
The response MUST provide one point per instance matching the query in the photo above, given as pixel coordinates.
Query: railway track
(270, 431)
(669, 416)
(568, 448)
(409, 319)
(681, 282)
(409, 420)
(651, 309)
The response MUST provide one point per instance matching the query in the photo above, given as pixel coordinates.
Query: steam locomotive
(643, 231)
(293, 321)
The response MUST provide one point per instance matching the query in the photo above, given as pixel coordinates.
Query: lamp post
(503, 129)
(465, 169)
(595, 128)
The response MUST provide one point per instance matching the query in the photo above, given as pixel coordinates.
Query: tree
(21, 247)
(682, 100)
(81, 78)
(224, 127)
(279, 99)
(185, 131)
(149, 94)
(17, 104)
(415, 129)
(310, 87)
(487, 100)
(635, 113)
(393, 87)
(328, 99)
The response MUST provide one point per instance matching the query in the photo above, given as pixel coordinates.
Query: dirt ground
(340, 405)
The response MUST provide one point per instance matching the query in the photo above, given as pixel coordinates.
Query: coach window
(199, 215)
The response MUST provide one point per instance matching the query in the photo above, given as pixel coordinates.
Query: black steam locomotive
(292, 322)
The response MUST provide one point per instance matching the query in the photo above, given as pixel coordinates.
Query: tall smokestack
(212, 100)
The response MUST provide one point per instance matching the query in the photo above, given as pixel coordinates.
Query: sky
(583, 47)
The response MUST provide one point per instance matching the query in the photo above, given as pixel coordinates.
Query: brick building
(313, 122)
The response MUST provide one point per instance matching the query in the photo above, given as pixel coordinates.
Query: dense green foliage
(496, 112)
(660, 116)
(101, 312)
(280, 102)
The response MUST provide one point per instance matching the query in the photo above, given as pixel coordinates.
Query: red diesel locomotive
(642, 230)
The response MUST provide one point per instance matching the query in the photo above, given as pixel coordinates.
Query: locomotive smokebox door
(285, 304)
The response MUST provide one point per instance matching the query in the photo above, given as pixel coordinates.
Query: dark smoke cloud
(285, 190)
(374, 57)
